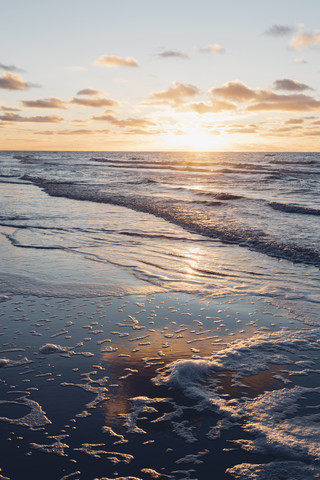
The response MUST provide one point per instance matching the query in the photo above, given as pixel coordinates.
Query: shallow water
(159, 315)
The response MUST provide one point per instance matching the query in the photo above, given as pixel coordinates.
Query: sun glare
(201, 141)
(198, 141)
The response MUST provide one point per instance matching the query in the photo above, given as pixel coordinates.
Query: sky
(144, 75)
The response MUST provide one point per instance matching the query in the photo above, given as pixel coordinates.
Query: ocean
(159, 315)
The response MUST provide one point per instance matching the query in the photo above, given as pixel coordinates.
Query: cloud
(264, 100)
(280, 30)
(96, 102)
(126, 123)
(113, 61)
(3, 108)
(289, 103)
(215, 106)
(315, 133)
(79, 131)
(140, 131)
(90, 91)
(305, 40)
(52, 102)
(9, 81)
(172, 54)
(294, 121)
(12, 117)
(12, 68)
(175, 95)
(76, 68)
(281, 132)
(290, 85)
(243, 129)
(235, 90)
(91, 99)
(215, 48)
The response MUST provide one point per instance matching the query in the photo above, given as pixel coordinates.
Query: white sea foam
(275, 471)
(118, 478)
(184, 430)
(269, 417)
(94, 450)
(215, 432)
(193, 458)
(100, 391)
(246, 357)
(36, 418)
(49, 348)
(139, 405)
(57, 447)
(70, 475)
(112, 433)
(6, 362)
(2, 477)
(155, 474)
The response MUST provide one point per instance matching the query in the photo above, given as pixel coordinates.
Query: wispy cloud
(76, 68)
(300, 61)
(90, 91)
(12, 68)
(95, 101)
(113, 61)
(304, 40)
(141, 131)
(290, 85)
(214, 106)
(173, 54)
(10, 81)
(243, 129)
(281, 132)
(289, 103)
(12, 117)
(52, 102)
(294, 121)
(4, 108)
(175, 95)
(79, 131)
(280, 30)
(128, 122)
(213, 48)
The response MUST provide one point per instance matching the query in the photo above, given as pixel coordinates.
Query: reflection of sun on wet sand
(174, 371)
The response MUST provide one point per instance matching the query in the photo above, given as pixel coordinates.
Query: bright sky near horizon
(232, 75)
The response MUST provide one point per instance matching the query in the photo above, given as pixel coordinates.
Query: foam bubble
(57, 448)
(49, 348)
(6, 362)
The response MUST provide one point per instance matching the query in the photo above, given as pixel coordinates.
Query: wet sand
(78, 388)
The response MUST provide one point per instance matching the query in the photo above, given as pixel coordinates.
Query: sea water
(159, 315)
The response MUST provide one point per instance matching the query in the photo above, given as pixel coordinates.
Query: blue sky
(55, 44)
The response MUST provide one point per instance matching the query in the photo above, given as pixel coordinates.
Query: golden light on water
(194, 260)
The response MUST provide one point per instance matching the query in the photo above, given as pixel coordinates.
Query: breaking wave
(284, 207)
(185, 215)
